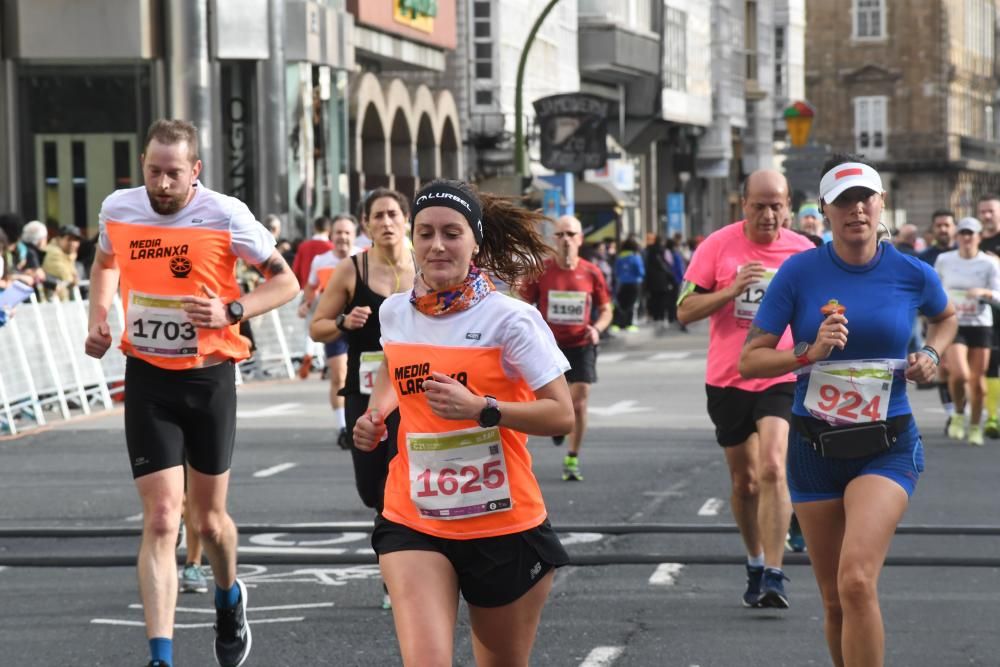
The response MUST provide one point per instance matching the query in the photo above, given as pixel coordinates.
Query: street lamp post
(519, 166)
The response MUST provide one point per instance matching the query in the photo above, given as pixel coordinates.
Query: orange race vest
(323, 277)
(159, 264)
(458, 492)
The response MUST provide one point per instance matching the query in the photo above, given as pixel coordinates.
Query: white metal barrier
(43, 366)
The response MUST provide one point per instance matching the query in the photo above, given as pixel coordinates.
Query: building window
(871, 126)
(483, 66)
(869, 19)
(780, 64)
(675, 50)
(750, 40)
(989, 129)
(980, 18)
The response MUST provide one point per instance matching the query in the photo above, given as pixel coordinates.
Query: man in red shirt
(308, 249)
(566, 293)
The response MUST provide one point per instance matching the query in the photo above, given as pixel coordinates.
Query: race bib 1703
(158, 325)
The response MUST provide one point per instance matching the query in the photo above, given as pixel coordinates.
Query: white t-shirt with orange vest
(165, 257)
(452, 478)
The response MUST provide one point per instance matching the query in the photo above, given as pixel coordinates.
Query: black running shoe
(343, 441)
(755, 580)
(773, 593)
(558, 440)
(232, 632)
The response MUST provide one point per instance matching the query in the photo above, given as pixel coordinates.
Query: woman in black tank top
(350, 307)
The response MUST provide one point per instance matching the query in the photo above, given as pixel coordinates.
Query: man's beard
(169, 208)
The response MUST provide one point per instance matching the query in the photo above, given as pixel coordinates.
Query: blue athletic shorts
(336, 347)
(813, 477)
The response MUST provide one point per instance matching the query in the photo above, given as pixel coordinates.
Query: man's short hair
(322, 224)
(173, 131)
(940, 213)
(348, 217)
(989, 196)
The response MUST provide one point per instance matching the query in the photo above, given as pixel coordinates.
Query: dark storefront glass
(81, 135)
(239, 128)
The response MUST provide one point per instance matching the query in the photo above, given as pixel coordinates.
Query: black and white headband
(440, 194)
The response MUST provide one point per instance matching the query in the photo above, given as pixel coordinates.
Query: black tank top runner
(365, 339)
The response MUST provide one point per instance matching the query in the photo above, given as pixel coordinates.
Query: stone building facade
(912, 86)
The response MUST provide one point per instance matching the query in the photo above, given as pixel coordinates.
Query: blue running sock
(226, 599)
(162, 649)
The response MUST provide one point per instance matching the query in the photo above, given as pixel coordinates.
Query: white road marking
(2, 568)
(580, 538)
(711, 507)
(274, 470)
(274, 540)
(619, 408)
(279, 410)
(134, 517)
(612, 358)
(292, 550)
(190, 626)
(602, 656)
(280, 607)
(669, 356)
(665, 574)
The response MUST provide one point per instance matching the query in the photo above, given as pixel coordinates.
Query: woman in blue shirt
(630, 271)
(854, 452)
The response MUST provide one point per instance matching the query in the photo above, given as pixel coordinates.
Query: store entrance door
(75, 172)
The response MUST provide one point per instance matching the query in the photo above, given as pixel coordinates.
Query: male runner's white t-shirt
(959, 274)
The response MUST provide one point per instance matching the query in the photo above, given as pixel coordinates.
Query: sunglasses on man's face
(566, 235)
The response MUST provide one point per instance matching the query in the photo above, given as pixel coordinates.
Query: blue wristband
(932, 353)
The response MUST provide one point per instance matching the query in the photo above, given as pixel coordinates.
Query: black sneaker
(755, 577)
(773, 590)
(232, 632)
(558, 440)
(343, 441)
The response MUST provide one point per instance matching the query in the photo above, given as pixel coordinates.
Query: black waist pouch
(851, 442)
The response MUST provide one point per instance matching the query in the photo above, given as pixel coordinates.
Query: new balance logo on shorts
(535, 570)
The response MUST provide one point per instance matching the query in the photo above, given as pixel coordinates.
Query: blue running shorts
(813, 477)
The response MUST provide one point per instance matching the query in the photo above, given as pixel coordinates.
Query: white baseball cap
(848, 175)
(969, 225)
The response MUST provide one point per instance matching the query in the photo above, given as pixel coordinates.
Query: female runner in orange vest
(472, 372)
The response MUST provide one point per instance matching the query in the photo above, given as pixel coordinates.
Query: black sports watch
(234, 311)
(340, 321)
(490, 416)
(801, 352)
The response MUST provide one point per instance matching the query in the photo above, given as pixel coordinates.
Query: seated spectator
(60, 263)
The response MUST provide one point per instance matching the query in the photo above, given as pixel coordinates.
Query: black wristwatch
(801, 352)
(340, 321)
(234, 312)
(490, 416)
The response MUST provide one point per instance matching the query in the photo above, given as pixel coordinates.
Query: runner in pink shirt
(726, 282)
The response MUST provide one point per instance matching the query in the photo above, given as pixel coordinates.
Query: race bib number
(458, 475)
(748, 302)
(965, 306)
(567, 308)
(158, 325)
(370, 362)
(850, 392)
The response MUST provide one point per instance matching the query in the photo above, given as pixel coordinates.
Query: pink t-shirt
(714, 267)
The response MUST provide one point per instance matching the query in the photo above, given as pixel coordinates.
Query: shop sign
(418, 14)
(574, 132)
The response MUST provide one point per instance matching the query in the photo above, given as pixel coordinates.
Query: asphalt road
(649, 459)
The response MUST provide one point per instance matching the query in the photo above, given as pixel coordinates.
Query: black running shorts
(582, 363)
(981, 337)
(492, 571)
(735, 411)
(170, 415)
